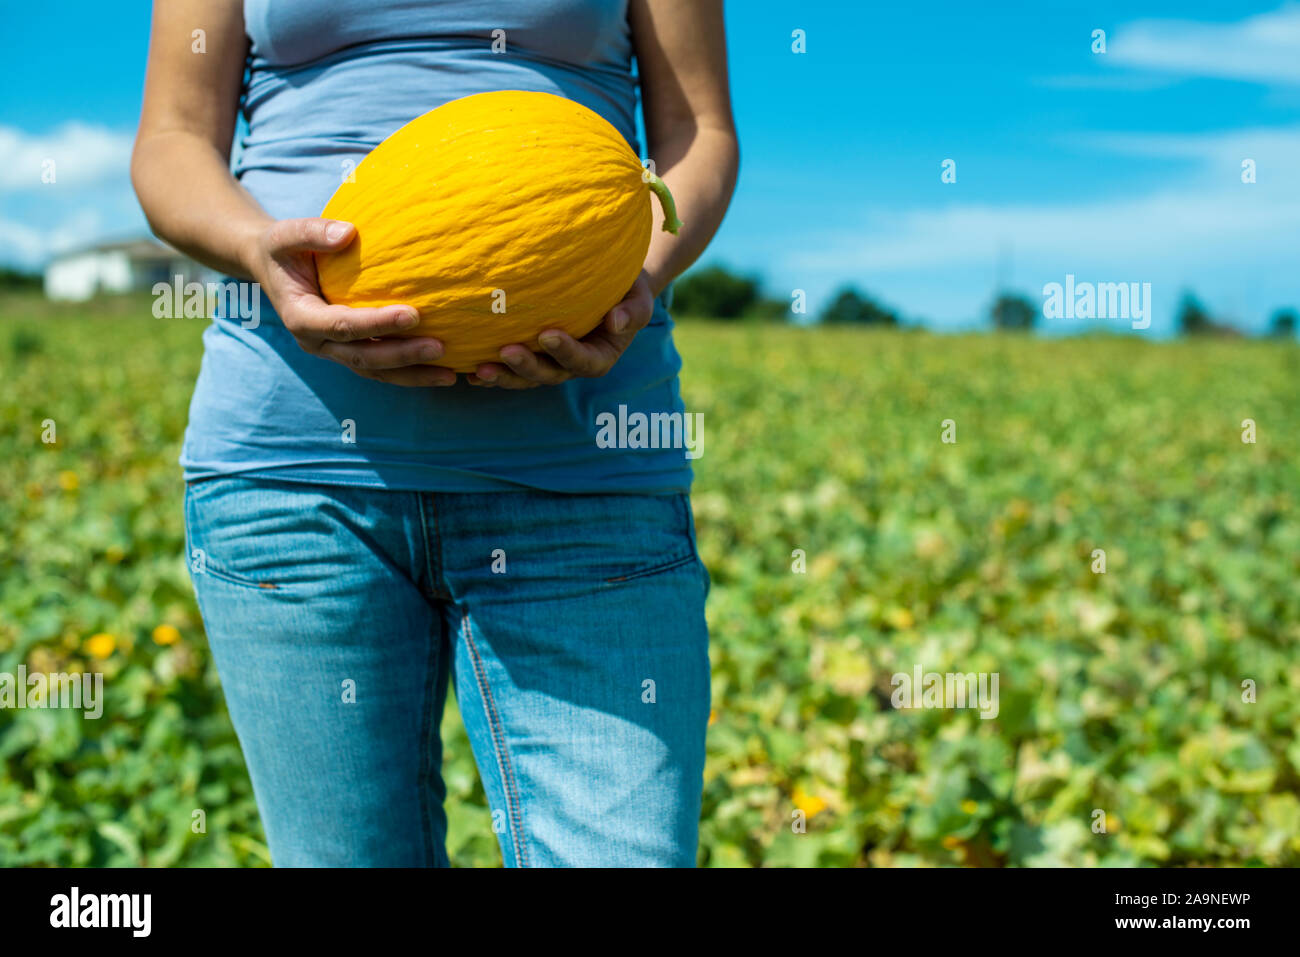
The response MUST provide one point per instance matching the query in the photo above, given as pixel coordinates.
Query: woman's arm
(180, 165)
(681, 56)
(181, 173)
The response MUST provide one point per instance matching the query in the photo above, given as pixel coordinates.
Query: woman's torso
(326, 82)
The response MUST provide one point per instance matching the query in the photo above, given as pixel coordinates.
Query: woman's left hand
(566, 357)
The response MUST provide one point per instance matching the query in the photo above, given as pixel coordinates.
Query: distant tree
(1193, 320)
(14, 280)
(1013, 312)
(851, 306)
(715, 292)
(777, 310)
(1284, 324)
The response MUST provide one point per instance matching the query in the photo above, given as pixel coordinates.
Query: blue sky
(1122, 166)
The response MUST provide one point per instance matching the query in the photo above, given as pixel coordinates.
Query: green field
(1121, 694)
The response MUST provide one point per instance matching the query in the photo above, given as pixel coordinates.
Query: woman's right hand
(282, 260)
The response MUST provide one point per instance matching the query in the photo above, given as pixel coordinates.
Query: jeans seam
(688, 523)
(428, 730)
(241, 582)
(705, 579)
(514, 809)
(429, 546)
(655, 570)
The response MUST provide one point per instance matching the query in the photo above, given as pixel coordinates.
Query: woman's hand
(566, 357)
(282, 260)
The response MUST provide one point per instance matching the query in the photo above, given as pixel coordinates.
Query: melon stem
(660, 189)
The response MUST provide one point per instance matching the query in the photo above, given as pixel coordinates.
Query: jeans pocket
(235, 532)
(655, 570)
(665, 540)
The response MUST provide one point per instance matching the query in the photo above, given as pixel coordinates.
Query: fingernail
(488, 376)
(620, 321)
(550, 342)
(430, 351)
(407, 318)
(336, 231)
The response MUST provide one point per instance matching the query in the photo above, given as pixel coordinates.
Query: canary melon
(497, 216)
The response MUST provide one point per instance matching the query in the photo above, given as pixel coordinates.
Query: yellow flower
(952, 842)
(900, 618)
(166, 635)
(101, 645)
(929, 544)
(68, 481)
(810, 804)
(114, 554)
(823, 567)
(969, 806)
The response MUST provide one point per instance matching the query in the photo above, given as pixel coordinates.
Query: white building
(131, 265)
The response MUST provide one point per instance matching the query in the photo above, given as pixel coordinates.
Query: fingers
(596, 353)
(504, 377)
(312, 318)
(529, 365)
(415, 376)
(344, 334)
(395, 361)
(565, 356)
(632, 314)
(352, 337)
(311, 234)
(593, 355)
(304, 312)
(376, 355)
(355, 337)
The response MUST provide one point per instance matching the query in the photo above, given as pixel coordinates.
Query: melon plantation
(1147, 705)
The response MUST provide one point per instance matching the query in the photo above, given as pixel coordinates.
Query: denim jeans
(571, 627)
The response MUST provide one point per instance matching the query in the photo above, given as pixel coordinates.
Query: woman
(364, 525)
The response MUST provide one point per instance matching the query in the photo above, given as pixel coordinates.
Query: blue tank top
(326, 82)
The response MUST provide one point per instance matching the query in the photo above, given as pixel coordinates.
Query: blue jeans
(571, 626)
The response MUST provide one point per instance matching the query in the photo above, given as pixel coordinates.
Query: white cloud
(1207, 216)
(83, 155)
(21, 244)
(1175, 223)
(1264, 48)
(28, 247)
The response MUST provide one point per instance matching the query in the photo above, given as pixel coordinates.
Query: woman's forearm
(700, 169)
(191, 200)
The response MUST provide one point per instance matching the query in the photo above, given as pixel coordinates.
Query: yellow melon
(497, 216)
